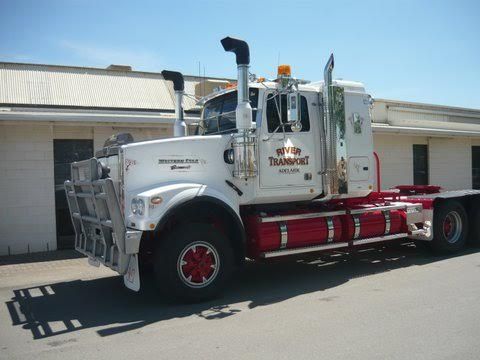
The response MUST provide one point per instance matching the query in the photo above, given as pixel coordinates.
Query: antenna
(199, 79)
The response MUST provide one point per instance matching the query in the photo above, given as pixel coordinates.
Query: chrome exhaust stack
(330, 176)
(244, 142)
(179, 127)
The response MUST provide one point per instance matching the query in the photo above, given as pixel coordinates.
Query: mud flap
(93, 262)
(131, 279)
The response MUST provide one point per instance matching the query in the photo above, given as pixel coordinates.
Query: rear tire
(474, 232)
(193, 263)
(450, 227)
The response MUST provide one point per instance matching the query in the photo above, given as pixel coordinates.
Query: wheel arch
(471, 204)
(209, 209)
(468, 199)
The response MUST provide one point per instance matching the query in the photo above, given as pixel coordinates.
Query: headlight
(228, 156)
(138, 206)
(102, 170)
(99, 170)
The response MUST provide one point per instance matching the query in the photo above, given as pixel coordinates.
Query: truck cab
(290, 160)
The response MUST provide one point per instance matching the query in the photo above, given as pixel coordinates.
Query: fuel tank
(269, 232)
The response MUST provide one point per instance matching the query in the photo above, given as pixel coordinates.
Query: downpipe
(179, 126)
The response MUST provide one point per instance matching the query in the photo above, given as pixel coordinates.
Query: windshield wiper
(218, 115)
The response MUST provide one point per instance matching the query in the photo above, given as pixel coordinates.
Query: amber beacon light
(284, 70)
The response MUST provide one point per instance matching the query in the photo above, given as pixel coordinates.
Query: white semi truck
(276, 168)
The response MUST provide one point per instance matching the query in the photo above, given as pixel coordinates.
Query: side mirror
(293, 111)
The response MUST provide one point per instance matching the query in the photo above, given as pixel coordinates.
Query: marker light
(284, 70)
(156, 200)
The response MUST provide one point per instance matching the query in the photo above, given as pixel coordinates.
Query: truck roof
(352, 86)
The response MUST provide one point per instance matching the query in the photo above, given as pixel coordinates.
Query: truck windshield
(219, 113)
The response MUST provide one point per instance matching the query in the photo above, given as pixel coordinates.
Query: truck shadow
(65, 307)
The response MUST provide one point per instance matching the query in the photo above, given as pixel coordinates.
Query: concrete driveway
(385, 303)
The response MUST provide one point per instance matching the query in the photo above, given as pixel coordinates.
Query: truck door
(287, 158)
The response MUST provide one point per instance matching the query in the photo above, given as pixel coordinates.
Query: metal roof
(422, 131)
(68, 86)
(20, 114)
(429, 107)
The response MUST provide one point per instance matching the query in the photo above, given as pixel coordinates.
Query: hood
(196, 159)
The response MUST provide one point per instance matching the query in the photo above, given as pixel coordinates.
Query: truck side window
(273, 119)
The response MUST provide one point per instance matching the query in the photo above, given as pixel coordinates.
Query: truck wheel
(193, 263)
(450, 227)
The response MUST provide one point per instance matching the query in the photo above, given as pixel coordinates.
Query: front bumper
(100, 231)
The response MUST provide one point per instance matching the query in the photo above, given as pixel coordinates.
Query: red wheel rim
(452, 227)
(447, 226)
(198, 264)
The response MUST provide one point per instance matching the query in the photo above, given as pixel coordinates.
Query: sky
(421, 51)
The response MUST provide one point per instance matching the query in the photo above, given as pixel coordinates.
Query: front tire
(193, 263)
(450, 227)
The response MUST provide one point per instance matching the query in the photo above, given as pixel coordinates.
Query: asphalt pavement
(397, 302)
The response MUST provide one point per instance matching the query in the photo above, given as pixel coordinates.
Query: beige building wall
(27, 211)
(396, 158)
(100, 134)
(27, 196)
(450, 160)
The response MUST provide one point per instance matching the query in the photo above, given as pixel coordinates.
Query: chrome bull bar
(100, 231)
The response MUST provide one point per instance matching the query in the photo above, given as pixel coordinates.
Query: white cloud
(104, 56)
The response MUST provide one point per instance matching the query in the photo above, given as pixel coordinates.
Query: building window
(475, 167)
(420, 164)
(64, 153)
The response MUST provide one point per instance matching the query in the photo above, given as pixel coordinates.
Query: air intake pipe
(244, 142)
(330, 173)
(242, 53)
(179, 127)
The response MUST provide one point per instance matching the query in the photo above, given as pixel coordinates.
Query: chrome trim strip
(307, 249)
(418, 232)
(331, 229)
(301, 216)
(380, 238)
(283, 234)
(416, 206)
(378, 208)
(356, 221)
(386, 214)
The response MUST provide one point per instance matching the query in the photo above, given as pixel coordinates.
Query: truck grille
(96, 216)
